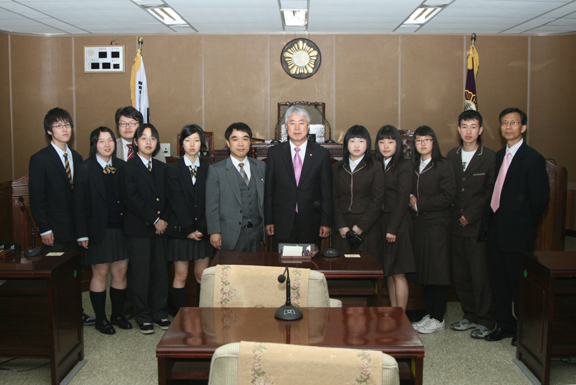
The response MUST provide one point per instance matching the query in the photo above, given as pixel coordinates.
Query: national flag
(473, 62)
(139, 87)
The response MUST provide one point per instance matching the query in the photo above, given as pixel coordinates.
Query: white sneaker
(417, 324)
(432, 326)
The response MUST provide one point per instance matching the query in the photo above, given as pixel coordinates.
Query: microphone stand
(330, 252)
(32, 251)
(287, 312)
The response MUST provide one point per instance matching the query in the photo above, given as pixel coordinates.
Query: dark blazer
(524, 198)
(143, 196)
(281, 193)
(187, 201)
(90, 201)
(358, 192)
(473, 187)
(397, 186)
(434, 188)
(51, 193)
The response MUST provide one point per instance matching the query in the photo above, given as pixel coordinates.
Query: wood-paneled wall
(214, 80)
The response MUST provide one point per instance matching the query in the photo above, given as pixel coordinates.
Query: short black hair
(237, 126)
(129, 112)
(95, 135)
(56, 115)
(510, 110)
(390, 132)
(436, 153)
(140, 131)
(361, 132)
(471, 115)
(189, 130)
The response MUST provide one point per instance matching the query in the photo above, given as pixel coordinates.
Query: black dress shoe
(499, 334)
(104, 327)
(121, 322)
(128, 312)
(514, 340)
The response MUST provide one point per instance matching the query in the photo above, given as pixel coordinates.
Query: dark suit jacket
(143, 196)
(358, 192)
(397, 186)
(281, 192)
(524, 198)
(51, 193)
(473, 187)
(434, 188)
(187, 201)
(90, 201)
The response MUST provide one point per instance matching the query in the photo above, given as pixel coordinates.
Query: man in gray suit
(235, 196)
(127, 121)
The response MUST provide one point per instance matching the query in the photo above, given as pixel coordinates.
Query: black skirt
(111, 249)
(189, 249)
(432, 251)
(397, 257)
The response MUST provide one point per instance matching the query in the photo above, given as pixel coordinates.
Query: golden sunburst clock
(301, 58)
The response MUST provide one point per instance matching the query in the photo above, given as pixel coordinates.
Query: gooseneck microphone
(32, 251)
(330, 252)
(287, 312)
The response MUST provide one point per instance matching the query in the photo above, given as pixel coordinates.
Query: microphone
(330, 252)
(287, 312)
(32, 251)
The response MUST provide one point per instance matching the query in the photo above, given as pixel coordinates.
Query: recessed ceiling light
(295, 17)
(423, 15)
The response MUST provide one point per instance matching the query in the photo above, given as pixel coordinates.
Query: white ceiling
(263, 16)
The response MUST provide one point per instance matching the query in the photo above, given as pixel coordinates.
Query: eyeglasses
(60, 126)
(512, 123)
(129, 124)
(423, 141)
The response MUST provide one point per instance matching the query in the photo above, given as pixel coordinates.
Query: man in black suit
(51, 179)
(474, 171)
(298, 174)
(521, 194)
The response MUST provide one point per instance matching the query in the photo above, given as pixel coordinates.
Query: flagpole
(473, 37)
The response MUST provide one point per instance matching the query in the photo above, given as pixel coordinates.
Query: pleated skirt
(188, 249)
(432, 251)
(111, 249)
(397, 257)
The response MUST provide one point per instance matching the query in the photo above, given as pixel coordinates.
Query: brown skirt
(397, 257)
(432, 251)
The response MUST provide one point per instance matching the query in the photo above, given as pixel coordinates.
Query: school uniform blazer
(51, 193)
(120, 152)
(473, 187)
(281, 192)
(187, 201)
(90, 200)
(397, 186)
(525, 195)
(434, 188)
(223, 200)
(358, 192)
(143, 196)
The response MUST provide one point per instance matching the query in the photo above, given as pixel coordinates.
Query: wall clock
(301, 58)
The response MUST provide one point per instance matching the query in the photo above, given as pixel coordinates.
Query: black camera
(354, 239)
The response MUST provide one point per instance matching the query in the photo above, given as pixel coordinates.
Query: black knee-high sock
(117, 297)
(179, 296)
(428, 295)
(98, 300)
(436, 299)
(198, 287)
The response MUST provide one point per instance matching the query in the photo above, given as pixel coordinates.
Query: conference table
(185, 350)
(345, 276)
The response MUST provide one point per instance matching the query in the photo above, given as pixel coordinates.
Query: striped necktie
(130, 152)
(150, 166)
(109, 169)
(243, 173)
(67, 168)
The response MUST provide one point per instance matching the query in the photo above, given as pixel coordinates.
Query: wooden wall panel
(42, 79)
(552, 84)
(366, 82)
(5, 127)
(432, 83)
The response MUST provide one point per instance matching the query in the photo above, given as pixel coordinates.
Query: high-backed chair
(317, 287)
(335, 365)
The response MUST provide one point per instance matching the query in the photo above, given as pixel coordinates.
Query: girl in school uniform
(433, 189)
(98, 227)
(143, 190)
(358, 183)
(187, 229)
(397, 257)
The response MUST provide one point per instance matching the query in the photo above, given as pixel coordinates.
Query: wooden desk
(185, 351)
(365, 267)
(546, 325)
(41, 307)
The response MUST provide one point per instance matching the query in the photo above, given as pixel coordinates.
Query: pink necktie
(495, 203)
(297, 168)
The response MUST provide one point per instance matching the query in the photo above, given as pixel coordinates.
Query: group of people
(131, 214)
